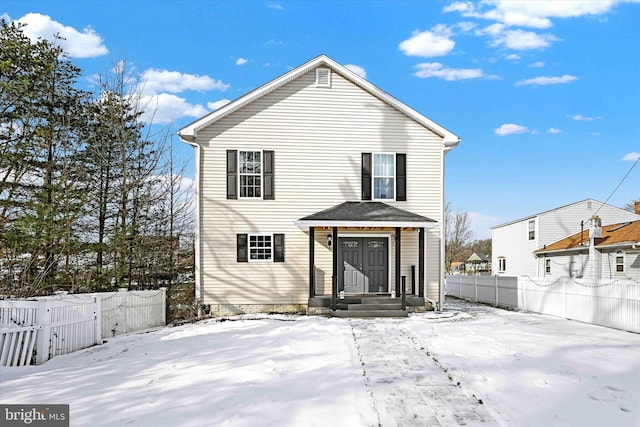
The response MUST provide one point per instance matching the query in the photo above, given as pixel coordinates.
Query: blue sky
(545, 95)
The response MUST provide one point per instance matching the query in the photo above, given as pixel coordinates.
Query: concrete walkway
(408, 385)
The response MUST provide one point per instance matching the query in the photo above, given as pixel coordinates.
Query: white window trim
(615, 263)
(240, 174)
(502, 264)
(374, 176)
(249, 236)
(529, 229)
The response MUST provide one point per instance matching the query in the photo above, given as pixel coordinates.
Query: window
(384, 176)
(250, 172)
(619, 263)
(532, 229)
(547, 266)
(260, 247)
(502, 264)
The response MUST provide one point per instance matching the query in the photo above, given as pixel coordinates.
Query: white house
(514, 243)
(600, 252)
(316, 175)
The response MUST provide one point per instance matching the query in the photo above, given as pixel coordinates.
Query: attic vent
(323, 77)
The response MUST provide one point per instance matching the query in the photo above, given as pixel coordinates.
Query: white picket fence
(611, 303)
(61, 324)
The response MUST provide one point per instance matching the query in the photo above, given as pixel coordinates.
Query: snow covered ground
(468, 365)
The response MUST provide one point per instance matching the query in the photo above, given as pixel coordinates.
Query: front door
(365, 265)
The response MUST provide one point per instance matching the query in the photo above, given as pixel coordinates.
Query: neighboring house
(513, 243)
(479, 263)
(600, 252)
(317, 174)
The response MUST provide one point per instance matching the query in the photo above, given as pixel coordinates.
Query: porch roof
(365, 214)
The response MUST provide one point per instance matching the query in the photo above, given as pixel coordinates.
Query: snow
(469, 365)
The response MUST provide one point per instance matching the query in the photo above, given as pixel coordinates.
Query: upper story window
(532, 229)
(619, 263)
(384, 176)
(250, 173)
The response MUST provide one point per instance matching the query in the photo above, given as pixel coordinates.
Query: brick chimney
(637, 207)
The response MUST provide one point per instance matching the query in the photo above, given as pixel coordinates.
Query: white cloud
(631, 157)
(554, 130)
(522, 40)
(513, 57)
(580, 117)
(166, 107)
(358, 70)
(529, 13)
(544, 80)
(481, 224)
(430, 43)
(156, 81)
(510, 129)
(275, 6)
(435, 69)
(77, 44)
(241, 61)
(538, 64)
(217, 104)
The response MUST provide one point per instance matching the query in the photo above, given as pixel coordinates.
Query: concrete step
(375, 306)
(368, 313)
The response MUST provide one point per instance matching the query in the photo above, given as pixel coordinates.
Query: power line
(618, 186)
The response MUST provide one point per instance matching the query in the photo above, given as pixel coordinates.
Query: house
(601, 252)
(479, 263)
(317, 175)
(513, 243)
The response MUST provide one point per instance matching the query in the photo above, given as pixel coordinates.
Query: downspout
(448, 146)
(196, 219)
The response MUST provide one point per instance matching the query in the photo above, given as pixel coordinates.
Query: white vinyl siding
(318, 137)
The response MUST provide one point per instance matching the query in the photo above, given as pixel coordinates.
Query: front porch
(365, 241)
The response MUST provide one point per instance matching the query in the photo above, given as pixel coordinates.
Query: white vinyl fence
(494, 290)
(44, 327)
(612, 303)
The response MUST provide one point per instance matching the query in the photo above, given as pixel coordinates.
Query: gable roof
(189, 132)
(614, 235)
(551, 210)
(365, 214)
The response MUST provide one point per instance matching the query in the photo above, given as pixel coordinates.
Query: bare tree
(458, 235)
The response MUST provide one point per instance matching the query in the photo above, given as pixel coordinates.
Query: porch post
(398, 242)
(312, 261)
(421, 262)
(334, 279)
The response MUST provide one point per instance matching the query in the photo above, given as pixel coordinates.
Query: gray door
(365, 265)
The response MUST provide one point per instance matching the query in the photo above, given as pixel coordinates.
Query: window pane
(383, 165)
(383, 188)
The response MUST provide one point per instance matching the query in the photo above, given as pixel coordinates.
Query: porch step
(363, 313)
(376, 306)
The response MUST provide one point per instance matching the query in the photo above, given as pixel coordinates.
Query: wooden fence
(36, 330)
(611, 303)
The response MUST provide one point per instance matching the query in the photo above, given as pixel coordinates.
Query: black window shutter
(232, 174)
(268, 174)
(242, 247)
(401, 177)
(278, 248)
(366, 176)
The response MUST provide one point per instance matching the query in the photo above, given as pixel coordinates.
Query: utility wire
(618, 186)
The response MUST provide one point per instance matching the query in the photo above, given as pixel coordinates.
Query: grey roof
(367, 212)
